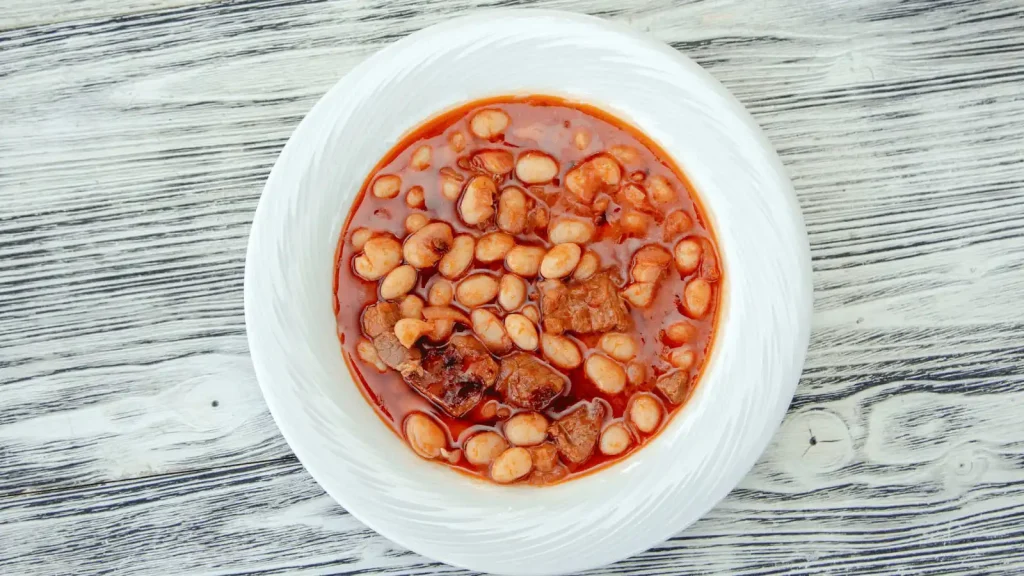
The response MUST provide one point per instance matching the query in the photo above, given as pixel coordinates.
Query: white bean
(398, 282)
(451, 183)
(526, 429)
(697, 298)
(499, 162)
(512, 210)
(457, 141)
(581, 139)
(560, 351)
(531, 312)
(411, 307)
(442, 330)
(425, 436)
(482, 448)
(640, 294)
(522, 332)
(493, 246)
(435, 313)
(625, 154)
(368, 353)
(680, 333)
(525, 260)
(511, 465)
(535, 167)
(414, 198)
(561, 260)
(387, 186)
(635, 223)
(622, 347)
(607, 169)
(645, 413)
(409, 330)
(459, 258)
(649, 263)
(563, 230)
(477, 204)
(687, 255)
(676, 223)
(488, 124)
(360, 236)
(381, 254)
(476, 290)
(415, 222)
(682, 358)
(608, 376)
(614, 439)
(511, 292)
(660, 190)
(589, 263)
(421, 158)
(636, 373)
(440, 293)
(489, 329)
(425, 247)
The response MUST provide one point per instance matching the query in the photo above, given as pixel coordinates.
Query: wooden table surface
(135, 137)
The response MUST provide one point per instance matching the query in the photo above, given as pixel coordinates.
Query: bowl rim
(305, 127)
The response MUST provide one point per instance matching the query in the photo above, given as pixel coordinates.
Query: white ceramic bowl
(603, 517)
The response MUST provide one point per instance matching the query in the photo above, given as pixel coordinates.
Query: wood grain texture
(134, 141)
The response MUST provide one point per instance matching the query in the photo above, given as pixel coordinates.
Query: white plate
(602, 517)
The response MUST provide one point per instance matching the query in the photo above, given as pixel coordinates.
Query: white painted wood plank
(132, 152)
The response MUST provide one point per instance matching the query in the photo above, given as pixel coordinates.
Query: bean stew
(526, 289)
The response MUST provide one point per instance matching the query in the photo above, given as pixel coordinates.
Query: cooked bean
(587, 178)
(398, 282)
(636, 373)
(414, 222)
(589, 263)
(638, 176)
(414, 198)
(368, 353)
(411, 307)
(360, 236)
(481, 449)
(531, 312)
(525, 260)
(697, 298)
(608, 376)
(687, 254)
(676, 223)
(649, 263)
(459, 258)
(511, 465)
(381, 254)
(425, 247)
(442, 330)
(526, 429)
(425, 436)
(476, 290)
(522, 332)
(511, 292)
(421, 158)
(560, 261)
(682, 358)
(452, 456)
(660, 190)
(708, 261)
(607, 169)
(451, 183)
(560, 351)
(489, 329)
(614, 439)
(409, 330)
(563, 230)
(512, 210)
(680, 333)
(640, 294)
(645, 413)
(499, 162)
(440, 293)
(387, 186)
(488, 124)
(622, 347)
(581, 139)
(635, 223)
(535, 167)
(477, 204)
(625, 154)
(457, 141)
(493, 246)
(635, 196)
(435, 313)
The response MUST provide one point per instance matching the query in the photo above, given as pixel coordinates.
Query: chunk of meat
(675, 386)
(527, 382)
(576, 433)
(456, 376)
(379, 325)
(583, 307)
(380, 318)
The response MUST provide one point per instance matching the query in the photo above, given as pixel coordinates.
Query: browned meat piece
(380, 318)
(455, 377)
(576, 433)
(527, 382)
(545, 457)
(593, 305)
(675, 386)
